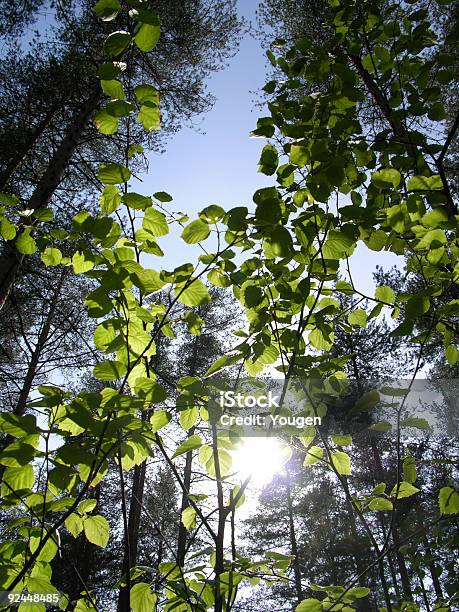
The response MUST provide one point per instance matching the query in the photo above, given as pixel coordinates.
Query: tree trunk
(21, 153)
(135, 512)
(11, 259)
(293, 541)
(431, 565)
(21, 405)
(182, 533)
(403, 571)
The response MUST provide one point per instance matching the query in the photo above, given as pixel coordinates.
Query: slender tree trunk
(182, 532)
(433, 574)
(26, 149)
(31, 373)
(390, 560)
(399, 130)
(403, 571)
(223, 511)
(40, 345)
(293, 541)
(135, 513)
(11, 259)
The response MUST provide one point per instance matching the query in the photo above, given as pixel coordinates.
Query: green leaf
(435, 217)
(82, 262)
(251, 295)
(137, 201)
(403, 489)
(382, 426)
(358, 317)
(149, 281)
(155, 223)
(106, 124)
(113, 88)
(96, 530)
(147, 37)
(223, 362)
(25, 244)
(385, 294)
(448, 500)
(415, 422)
(107, 10)
(380, 503)
(116, 43)
(17, 454)
(190, 443)
(195, 232)
(18, 478)
(189, 518)
(149, 390)
(150, 117)
(218, 278)
(162, 196)
(425, 183)
(195, 294)
(387, 177)
(110, 70)
(212, 213)
(111, 174)
(74, 523)
(318, 340)
(436, 236)
(142, 599)
(189, 417)
(269, 160)
(341, 440)
(147, 93)
(342, 463)
(417, 306)
(119, 108)
(109, 370)
(299, 155)
(110, 199)
(43, 214)
(309, 605)
(367, 401)
(193, 322)
(159, 420)
(409, 469)
(280, 241)
(87, 505)
(452, 354)
(7, 229)
(51, 256)
(337, 245)
(314, 455)
(358, 593)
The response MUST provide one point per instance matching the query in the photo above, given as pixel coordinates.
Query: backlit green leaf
(195, 232)
(109, 370)
(96, 530)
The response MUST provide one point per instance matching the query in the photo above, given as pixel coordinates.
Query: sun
(261, 459)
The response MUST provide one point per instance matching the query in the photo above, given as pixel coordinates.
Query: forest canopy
(252, 430)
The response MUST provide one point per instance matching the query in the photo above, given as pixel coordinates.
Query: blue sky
(219, 166)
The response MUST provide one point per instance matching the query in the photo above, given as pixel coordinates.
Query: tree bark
(11, 259)
(135, 513)
(21, 153)
(293, 541)
(21, 405)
